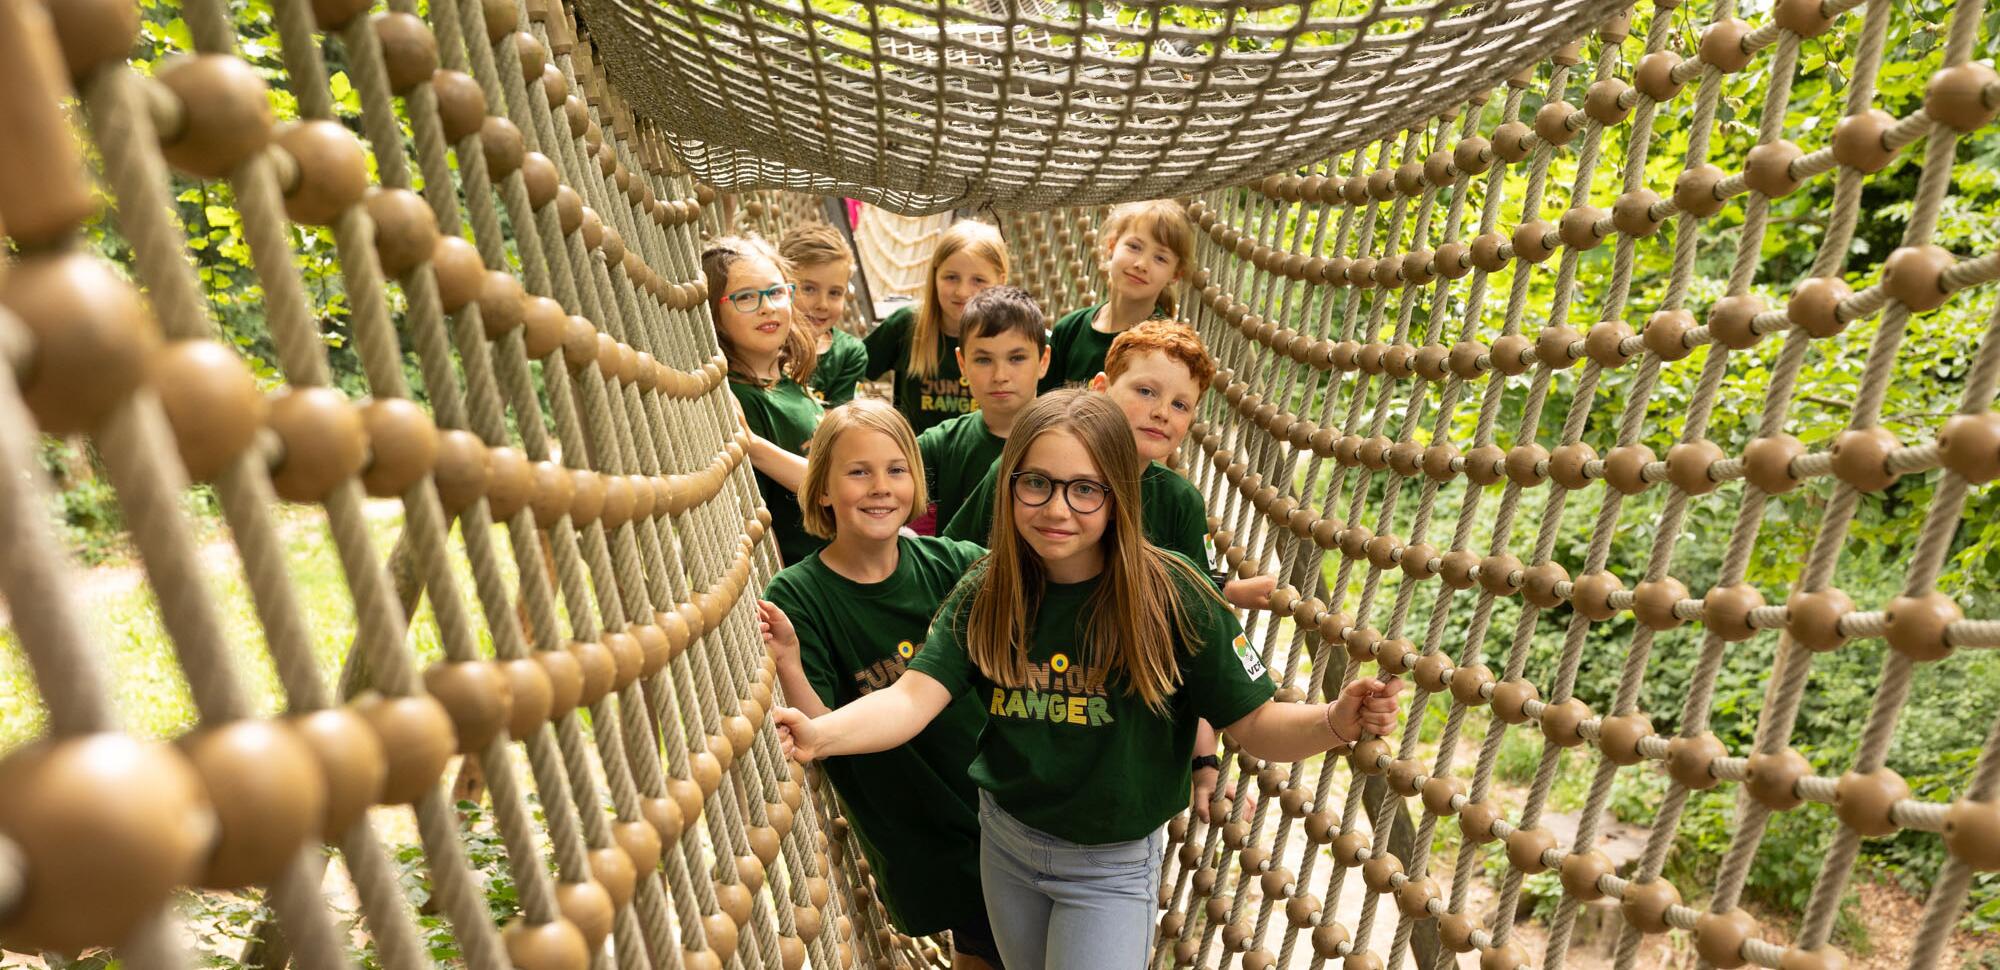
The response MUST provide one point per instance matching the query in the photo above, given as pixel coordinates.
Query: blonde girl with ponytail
(920, 343)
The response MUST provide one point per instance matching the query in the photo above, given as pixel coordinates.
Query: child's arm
(783, 643)
(779, 465)
(877, 722)
(1288, 732)
(1252, 593)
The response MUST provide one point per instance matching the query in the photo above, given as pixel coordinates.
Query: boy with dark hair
(1002, 353)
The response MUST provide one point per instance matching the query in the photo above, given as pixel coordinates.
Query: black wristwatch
(1206, 761)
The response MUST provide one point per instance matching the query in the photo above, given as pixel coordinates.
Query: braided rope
(603, 572)
(593, 427)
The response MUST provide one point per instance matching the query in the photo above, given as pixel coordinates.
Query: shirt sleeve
(1186, 532)
(888, 343)
(756, 410)
(850, 368)
(931, 448)
(1059, 341)
(966, 554)
(974, 520)
(1225, 678)
(943, 657)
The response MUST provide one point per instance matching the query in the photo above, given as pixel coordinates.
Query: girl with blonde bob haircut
(815, 506)
(844, 623)
(920, 343)
(1093, 654)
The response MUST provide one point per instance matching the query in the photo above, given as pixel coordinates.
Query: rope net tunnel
(1407, 421)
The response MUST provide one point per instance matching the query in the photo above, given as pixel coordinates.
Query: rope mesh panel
(895, 102)
(619, 655)
(1408, 430)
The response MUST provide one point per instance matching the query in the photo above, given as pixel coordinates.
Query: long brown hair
(801, 353)
(966, 234)
(1137, 612)
(1168, 224)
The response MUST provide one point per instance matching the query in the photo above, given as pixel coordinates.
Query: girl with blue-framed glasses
(770, 360)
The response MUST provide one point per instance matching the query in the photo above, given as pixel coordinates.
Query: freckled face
(1158, 396)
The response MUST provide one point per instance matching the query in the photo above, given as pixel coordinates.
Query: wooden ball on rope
(268, 794)
(91, 338)
(83, 835)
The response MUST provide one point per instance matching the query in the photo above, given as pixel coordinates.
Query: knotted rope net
(922, 107)
(516, 248)
(544, 289)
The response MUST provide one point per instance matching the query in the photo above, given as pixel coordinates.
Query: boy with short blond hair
(821, 263)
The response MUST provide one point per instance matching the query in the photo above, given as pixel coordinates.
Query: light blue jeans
(1057, 905)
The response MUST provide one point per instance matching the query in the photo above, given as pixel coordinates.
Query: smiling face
(1158, 396)
(959, 278)
(870, 486)
(1140, 266)
(1069, 542)
(1002, 370)
(758, 334)
(822, 294)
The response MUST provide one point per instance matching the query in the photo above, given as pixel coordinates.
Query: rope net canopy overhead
(923, 107)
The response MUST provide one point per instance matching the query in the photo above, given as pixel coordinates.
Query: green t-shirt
(1075, 753)
(914, 807)
(925, 401)
(844, 365)
(957, 455)
(1076, 349)
(1170, 507)
(784, 414)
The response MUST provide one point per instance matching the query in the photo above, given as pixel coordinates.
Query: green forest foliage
(221, 256)
(1953, 705)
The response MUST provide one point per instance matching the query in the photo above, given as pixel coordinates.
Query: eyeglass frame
(763, 296)
(1058, 485)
